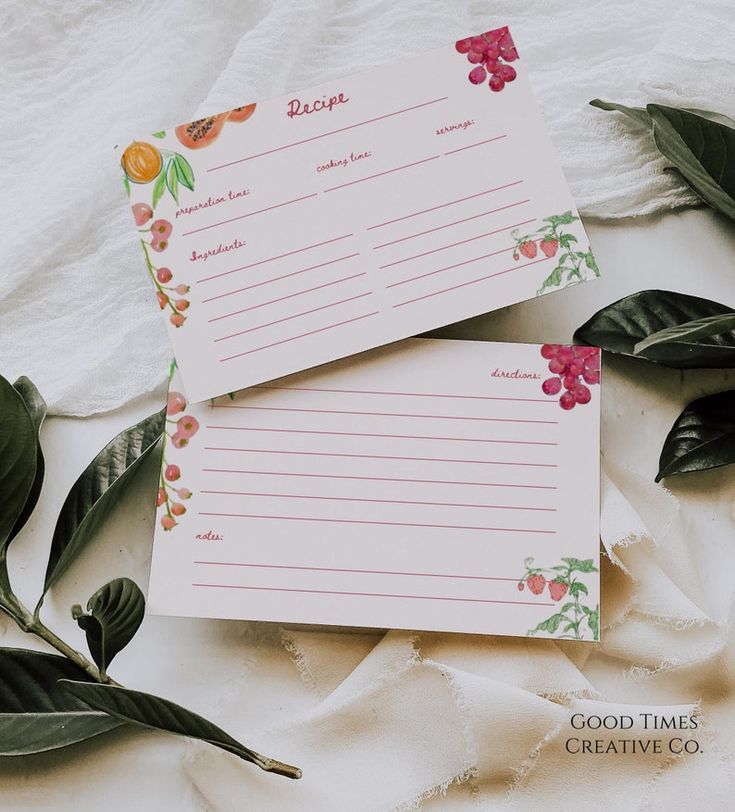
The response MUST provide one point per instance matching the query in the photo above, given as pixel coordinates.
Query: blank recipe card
(291, 232)
(431, 484)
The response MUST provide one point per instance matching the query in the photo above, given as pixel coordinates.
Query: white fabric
(76, 308)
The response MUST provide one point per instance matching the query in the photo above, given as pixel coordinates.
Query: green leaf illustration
(115, 613)
(579, 565)
(702, 437)
(576, 587)
(172, 181)
(622, 325)
(151, 711)
(591, 262)
(551, 624)
(36, 715)
(159, 134)
(565, 240)
(99, 487)
(184, 171)
(159, 187)
(593, 621)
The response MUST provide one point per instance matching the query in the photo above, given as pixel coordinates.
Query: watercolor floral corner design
(144, 163)
(575, 369)
(490, 53)
(553, 240)
(179, 430)
(575, 618)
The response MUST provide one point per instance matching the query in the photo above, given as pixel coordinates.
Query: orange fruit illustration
(241, 113)
(141, 162)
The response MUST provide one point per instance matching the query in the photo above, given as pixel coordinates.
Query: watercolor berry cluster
(179, 430)
(571, 366)
(490, 53)
(572, 265)
(563, 581)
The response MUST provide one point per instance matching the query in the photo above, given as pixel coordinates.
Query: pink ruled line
(295, 316)
(381, 457)
(358, 571)
(278, 278)
(303, 335)
(249, 214)
(331, 132)
(369, 594)
(444, 205)
(376, 501)
(448, 267)
(271, 259)
(385, 436)
(330, 520)
(472, 282)
(449, 225)
(454, 244)
(402, 394)
(381, 479)
(380, 174)
(383, 414)
(284, 298)
(478, 144)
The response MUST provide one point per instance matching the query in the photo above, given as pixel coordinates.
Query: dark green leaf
(625, 323)
(172, 181)
(553, 280)
(551, 624)
(18, 459)
(702, 150)
(593, 621)
(580, 565)
(184, 171)
(115, 612)
(638, 114)
(159, 187)
(561, 219)
(702, 437)
(565, 240)
(36, 407)
(591, 262)
(97, 490)
(576, 587)
(707, 327)
(35, 713)
(154, 712)
(567, 606)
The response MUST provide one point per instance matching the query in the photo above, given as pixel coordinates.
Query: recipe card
(432, 484)
(291, 232)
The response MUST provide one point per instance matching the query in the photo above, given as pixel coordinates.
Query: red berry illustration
(528, 249)
(172, 473)
(168, 522)
(183, 493)
(549, 351)
(162, 299)
(582, 394)
(570, 381)
(478, 75)
(549, 246)
(496, 84)
(521, 586)
(475, 57)
(176, 403)
(142, 213)
(536, 583)
(506, 73)
(591, 376)
(161, 498)
(565, 355)
(558, 589)
(556, 366)
(182, 304)
(182, 290)
(177, 319)
(187, 426)
(159, 245)
(163, 275)
(551, 386)
(178, 440)
(463, 45)
(178, 509)
(161, 229)
(567, 401)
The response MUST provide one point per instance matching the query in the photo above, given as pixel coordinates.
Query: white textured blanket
(76, 311)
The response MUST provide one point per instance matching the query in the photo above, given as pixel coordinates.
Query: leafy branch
(49, 701)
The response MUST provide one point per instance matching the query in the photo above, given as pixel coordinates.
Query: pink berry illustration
(161, 229)
(176, 403)
(177, 319)
(506, 73)
(159, 245)
(548, 245)
(178, 440)
(183, 493)
(475, 57)
(576, 367)
(178, 509)
(593, 361)
(168, 522)
(551, 386)
(567, 401)
(549, 351)
(163, 275)
(182, 290)
(528, 249)
(187, 426)
(162, 299)
(536, 583)
(565, 355)
(558, 589)
(172, 473)
(591, 376)
(478, 75)
(496, 84)
(556, 366)
(161, 497)
(142, 213)
(521, 586)
(570, 381)
(182, 304)
(463, 45)
(581, 393)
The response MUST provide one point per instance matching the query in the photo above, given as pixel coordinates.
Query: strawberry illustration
(549, 246)
(521, 586)
(558, 589)
(536, 583)
(528, 249)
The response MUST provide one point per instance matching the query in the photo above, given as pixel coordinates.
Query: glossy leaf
(702, 437)
(97, 490)
(18, 458)
(37, 715)
(702, 150)
(707, 327)
(638, 114)
(36, 407)
(114, 614)
(154, 712)
(622, 325)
